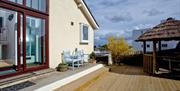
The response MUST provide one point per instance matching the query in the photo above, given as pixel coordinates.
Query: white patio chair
(69, 59)
(80, 56)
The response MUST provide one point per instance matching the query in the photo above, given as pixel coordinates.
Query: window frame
(46, 62)
(42, 39)
(25, 11)
(81, 33)
(29, 8)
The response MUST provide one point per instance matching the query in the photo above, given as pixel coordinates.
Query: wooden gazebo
(167, 30)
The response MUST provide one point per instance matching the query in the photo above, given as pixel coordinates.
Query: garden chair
(69, 59)
(79, 53)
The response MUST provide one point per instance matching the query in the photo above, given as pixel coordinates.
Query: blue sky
(120, 17)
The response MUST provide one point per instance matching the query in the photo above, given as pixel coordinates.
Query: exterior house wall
(63, 35)
(139, 45)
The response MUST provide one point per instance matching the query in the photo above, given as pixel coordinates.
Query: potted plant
(62, 67)
(92, 58)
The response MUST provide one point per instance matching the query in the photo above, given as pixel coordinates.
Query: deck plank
(129, 80)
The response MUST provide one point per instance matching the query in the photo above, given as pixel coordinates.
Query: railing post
(110, 59)
(148, 63)
(144, 65)
(154, 57)
(144, 47)
(159, 46)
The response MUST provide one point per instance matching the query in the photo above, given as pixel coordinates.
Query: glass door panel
(37, 4)
(8, 41)
(35, 34)
(17, 1)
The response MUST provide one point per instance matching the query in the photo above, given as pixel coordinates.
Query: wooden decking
(130, 78)
(126, 78)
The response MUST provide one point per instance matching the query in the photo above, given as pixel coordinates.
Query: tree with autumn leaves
(118, 47)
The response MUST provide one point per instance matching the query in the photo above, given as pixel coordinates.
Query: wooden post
(159, 46)
(144, 47)
(154, 57)
(144, 57)
(110, 59)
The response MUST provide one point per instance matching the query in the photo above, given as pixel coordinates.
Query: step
(22, 78)
(50, 81)
(83, 82)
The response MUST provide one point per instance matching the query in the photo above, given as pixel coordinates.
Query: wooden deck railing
(148, 63)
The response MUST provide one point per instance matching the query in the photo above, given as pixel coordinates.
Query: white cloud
(143, 26)
(137, 14)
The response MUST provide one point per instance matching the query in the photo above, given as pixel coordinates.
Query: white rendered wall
(63, 35)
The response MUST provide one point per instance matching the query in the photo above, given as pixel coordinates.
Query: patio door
(22, 42)
(24, 38)
(35, 41)
(10, 27)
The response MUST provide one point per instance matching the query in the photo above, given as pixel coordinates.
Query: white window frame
(81, 33)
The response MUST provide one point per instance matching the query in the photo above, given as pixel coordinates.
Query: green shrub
(62, 67)
(92, 55)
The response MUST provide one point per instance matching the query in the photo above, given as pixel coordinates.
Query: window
(35, 40)
(42, 5)
(37, 4)
(84, 33)
(8, 40)
(28, 3)
(17, 1)
(164, 45)
(148, 46)
(23, 38)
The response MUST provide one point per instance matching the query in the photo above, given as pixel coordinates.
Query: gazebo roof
(166, 30)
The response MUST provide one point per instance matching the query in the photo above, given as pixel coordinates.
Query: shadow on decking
(127, 69)
(169, 75)
(138, 70)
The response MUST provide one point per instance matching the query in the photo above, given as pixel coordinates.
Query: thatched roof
(166, 30)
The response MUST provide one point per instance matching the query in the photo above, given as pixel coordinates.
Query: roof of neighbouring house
(166, 30)
(87, 13)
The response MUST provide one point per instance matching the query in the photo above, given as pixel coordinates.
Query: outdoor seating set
(75, 58)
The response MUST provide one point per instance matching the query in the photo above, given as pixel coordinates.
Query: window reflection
(37, 4)
(85, 32)
(17, 1)
(35, 36)
(8, 41)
